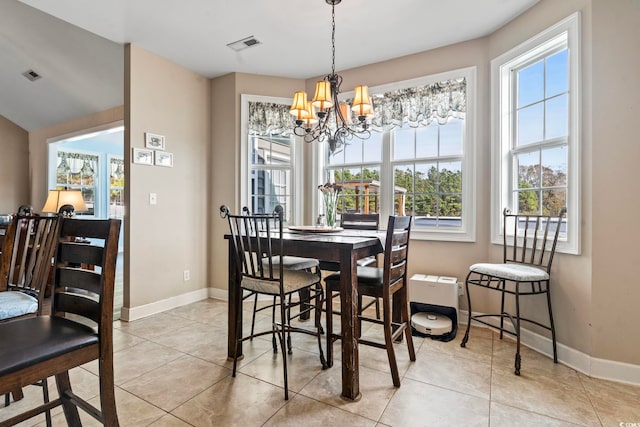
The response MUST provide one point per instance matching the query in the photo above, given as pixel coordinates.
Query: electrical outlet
(460, 289)
(153, 198)
(186, 275)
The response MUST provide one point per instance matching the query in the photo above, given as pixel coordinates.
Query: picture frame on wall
(154, 141)
(162, 158)
(142, 156)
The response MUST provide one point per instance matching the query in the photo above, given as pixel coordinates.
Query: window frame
(503, 130)
(467, 232)
(297, 160)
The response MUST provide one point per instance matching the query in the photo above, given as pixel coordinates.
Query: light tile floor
(171, 370)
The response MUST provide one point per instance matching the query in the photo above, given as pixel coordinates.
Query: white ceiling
(83, 70)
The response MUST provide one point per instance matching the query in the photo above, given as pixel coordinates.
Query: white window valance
(416, 106)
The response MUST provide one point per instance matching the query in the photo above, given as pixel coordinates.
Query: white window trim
(501, 120)
(245, 158)
(467, 233)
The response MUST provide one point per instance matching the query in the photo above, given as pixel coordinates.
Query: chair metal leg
(502, 285)
(253, 317)
(318, 313)
(516, 325)
(281, 336)
(552, 326)
(466, 333)
(329, 332)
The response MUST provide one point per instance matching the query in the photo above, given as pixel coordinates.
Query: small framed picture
(142, 156)
(154, 141)
(164, 159)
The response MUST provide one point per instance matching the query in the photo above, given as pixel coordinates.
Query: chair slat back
(531, 239)
(359, 221)
(27, 253)
(256, 238)
(396, 250)
(85, 265)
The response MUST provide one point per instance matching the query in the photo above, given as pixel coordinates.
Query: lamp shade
(311, 118)
(299, 106)
(322, 97)
(58, 198)
(361, 101)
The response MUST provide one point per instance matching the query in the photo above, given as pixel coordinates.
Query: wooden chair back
(27, 252)
(396, 250)
(256, 238)
(531, 239)
(359, 221)
(84, 273)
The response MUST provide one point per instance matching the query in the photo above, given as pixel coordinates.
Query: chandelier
(325, 118)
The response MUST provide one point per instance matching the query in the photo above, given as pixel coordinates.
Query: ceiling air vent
(244, 43)
(31, 75)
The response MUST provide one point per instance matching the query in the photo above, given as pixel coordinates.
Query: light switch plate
(153, 199)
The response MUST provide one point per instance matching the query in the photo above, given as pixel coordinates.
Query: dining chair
(24, 272)
(357, 221)
(290, 262)
(258, 254)
(78, 330)
(384, 283)
(529, 245)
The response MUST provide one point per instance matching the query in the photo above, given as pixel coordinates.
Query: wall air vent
(31, 75)
(244, 43)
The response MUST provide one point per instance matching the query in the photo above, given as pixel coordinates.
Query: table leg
(349, 326)
(234, 306)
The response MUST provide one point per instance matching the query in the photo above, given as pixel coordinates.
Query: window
(77, 171)
(270, 155)
(419, 159)
(536, 130)
(116, 187)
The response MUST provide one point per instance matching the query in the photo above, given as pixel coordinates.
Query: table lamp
(64, 202)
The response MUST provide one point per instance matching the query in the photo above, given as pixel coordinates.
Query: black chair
(25, 264)
(290, 263)
(78, 330)
(529, 244)
(384, 283)
(258, 247)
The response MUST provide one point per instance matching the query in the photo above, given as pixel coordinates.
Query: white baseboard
(135, 313)
(597, 368)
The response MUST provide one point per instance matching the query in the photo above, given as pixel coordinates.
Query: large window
(272, 158)
(536, 129)
(419, 159)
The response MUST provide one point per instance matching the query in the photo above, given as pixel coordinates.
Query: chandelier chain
(333, 38)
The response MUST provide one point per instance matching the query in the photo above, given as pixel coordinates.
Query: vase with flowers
(330, 195)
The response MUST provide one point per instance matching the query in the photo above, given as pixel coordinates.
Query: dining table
(343, 246)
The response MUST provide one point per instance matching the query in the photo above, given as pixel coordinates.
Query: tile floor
(171, 370)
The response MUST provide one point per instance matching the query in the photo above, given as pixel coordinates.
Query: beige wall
(170, 237)
(14, 166)
(38, 148)
(616, 153)
(225, 152)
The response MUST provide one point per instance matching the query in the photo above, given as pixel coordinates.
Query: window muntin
(536, 130)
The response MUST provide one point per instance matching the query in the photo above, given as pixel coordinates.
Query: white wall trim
(591, 366)
(135, 313)
(217, 293)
